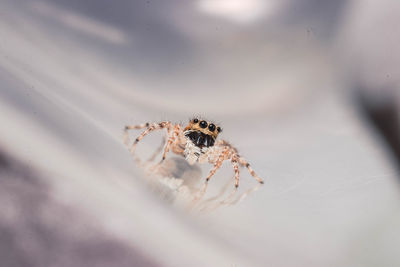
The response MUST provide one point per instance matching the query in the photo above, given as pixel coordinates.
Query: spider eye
(195, 120)
(219, 129)
(211, 127)
(203, 124)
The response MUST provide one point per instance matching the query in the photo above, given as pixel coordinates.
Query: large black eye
(211, 127)
(219, 129)
(195, 120)
(203, 124)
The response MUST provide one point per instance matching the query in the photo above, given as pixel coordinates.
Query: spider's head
(201, 132)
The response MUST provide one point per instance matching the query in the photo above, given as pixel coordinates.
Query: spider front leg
(150, 128)
(218, 163)
(171, 139)
(133, 127)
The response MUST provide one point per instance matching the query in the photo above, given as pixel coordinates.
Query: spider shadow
(178, 168)
(233, 198)
(176, 179)
(217, 201)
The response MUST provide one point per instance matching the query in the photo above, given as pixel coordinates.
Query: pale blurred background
(307, 90)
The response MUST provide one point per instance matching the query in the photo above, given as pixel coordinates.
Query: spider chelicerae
(197, 142)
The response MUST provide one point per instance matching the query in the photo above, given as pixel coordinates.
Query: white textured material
(330, 198)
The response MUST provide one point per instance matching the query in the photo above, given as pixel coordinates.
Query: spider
(197, 143)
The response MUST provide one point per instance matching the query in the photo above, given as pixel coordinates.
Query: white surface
(330, 198)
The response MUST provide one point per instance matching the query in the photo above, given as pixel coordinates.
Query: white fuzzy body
(194, 153)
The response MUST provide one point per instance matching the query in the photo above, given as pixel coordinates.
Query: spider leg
(133, 127)
(150, 128)
(236, 169)
(159, 149)
(137, 126)
(218, 163)
(171, 139)
(244, 163)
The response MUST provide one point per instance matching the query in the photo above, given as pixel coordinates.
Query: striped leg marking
(217, 164)
(244, 163)
(171, 139)
(236, 169)
(150, 128)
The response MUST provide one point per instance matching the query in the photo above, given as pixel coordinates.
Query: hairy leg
(222, 156)
(244, 163)
(150, 127)
(236, 169)
(171, 138)
(133, 127)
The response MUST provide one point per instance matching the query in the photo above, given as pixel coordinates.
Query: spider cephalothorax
(201, 132)
(197, 143)
(200, 136)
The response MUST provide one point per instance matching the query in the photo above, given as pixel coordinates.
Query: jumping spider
(197, 143)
